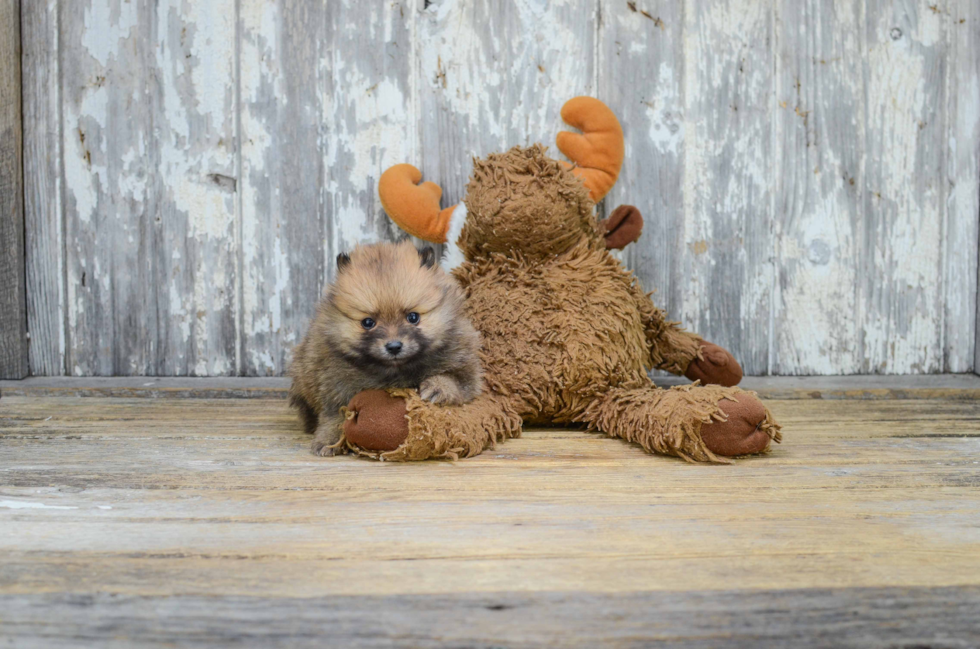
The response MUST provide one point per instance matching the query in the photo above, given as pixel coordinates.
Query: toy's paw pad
(441, 390)
(376, 421)
(744, 432)
(717, 367)
(622, 227)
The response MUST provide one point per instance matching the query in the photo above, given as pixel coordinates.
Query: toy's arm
(671, 347)
(677, 351)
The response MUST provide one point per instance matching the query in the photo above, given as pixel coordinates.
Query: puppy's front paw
(323, 449)
(441, 390)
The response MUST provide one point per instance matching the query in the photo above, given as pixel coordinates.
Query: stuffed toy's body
(567, 333)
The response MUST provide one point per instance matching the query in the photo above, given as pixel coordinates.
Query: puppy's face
(391, 305)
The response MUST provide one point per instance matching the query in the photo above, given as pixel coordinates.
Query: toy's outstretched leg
(697, 423)
(397, 425)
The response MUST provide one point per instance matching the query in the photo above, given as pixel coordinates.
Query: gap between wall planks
(808, 170)
(963, 173)
(964, 161)
(13, 305)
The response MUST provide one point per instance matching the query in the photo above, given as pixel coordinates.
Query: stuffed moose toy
(568, 335)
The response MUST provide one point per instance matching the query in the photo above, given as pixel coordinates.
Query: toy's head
(521, 202)
(526, 203)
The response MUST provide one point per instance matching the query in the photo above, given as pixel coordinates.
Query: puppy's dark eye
(413, 318)
(368, 323)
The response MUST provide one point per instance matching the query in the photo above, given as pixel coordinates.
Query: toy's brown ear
(413, 207)
(598, 151)
(622, 227)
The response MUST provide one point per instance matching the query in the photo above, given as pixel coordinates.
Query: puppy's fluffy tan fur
(383, 285)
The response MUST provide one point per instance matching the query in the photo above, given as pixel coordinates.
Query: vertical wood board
(150, 181)
(818, 219)
(310, 163)
(283, 219)
(900, 268)
(13, 301)
(962, 187)
(495, 75)
(641, 75)
(727, 193)
(45, 245)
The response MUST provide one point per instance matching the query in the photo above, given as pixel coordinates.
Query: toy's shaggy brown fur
(568, 334)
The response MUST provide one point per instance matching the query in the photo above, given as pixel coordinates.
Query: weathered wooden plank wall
(809, 170)
(13, 301)
(817, 216)
(44, 234)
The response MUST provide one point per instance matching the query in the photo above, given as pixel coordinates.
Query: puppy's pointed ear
(427, 256)
(343, 261)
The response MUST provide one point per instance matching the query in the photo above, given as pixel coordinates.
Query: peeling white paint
(814, 212)
(117, 18)
(666, 130)
(212, 52)
(366, 118)
(816, 314)
(178, 311)
(902, 330)
(86, 179)
(505, 81)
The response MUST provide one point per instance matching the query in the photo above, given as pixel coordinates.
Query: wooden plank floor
(196, 522)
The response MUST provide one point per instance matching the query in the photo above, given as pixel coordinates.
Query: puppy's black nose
(393, 347)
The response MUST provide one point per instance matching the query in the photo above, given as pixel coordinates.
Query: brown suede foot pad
(744, 431)
(376, 421)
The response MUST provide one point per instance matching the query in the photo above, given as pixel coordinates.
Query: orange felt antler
(414, 207)
(598, 151)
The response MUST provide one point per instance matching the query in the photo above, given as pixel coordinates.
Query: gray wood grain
(13, 301)
(45, 245)
(963, 188)
(641, 74)
(955, 387)
(200, 521)
(808, 170)
(728, 167)
(900, 268)
(858, 618)
(370, 115)
(149, 141)
(494, 75)
(818, 217)
(284, 219)
(310, 164)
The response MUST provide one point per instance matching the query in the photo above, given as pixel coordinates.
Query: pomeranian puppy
(391, 319)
